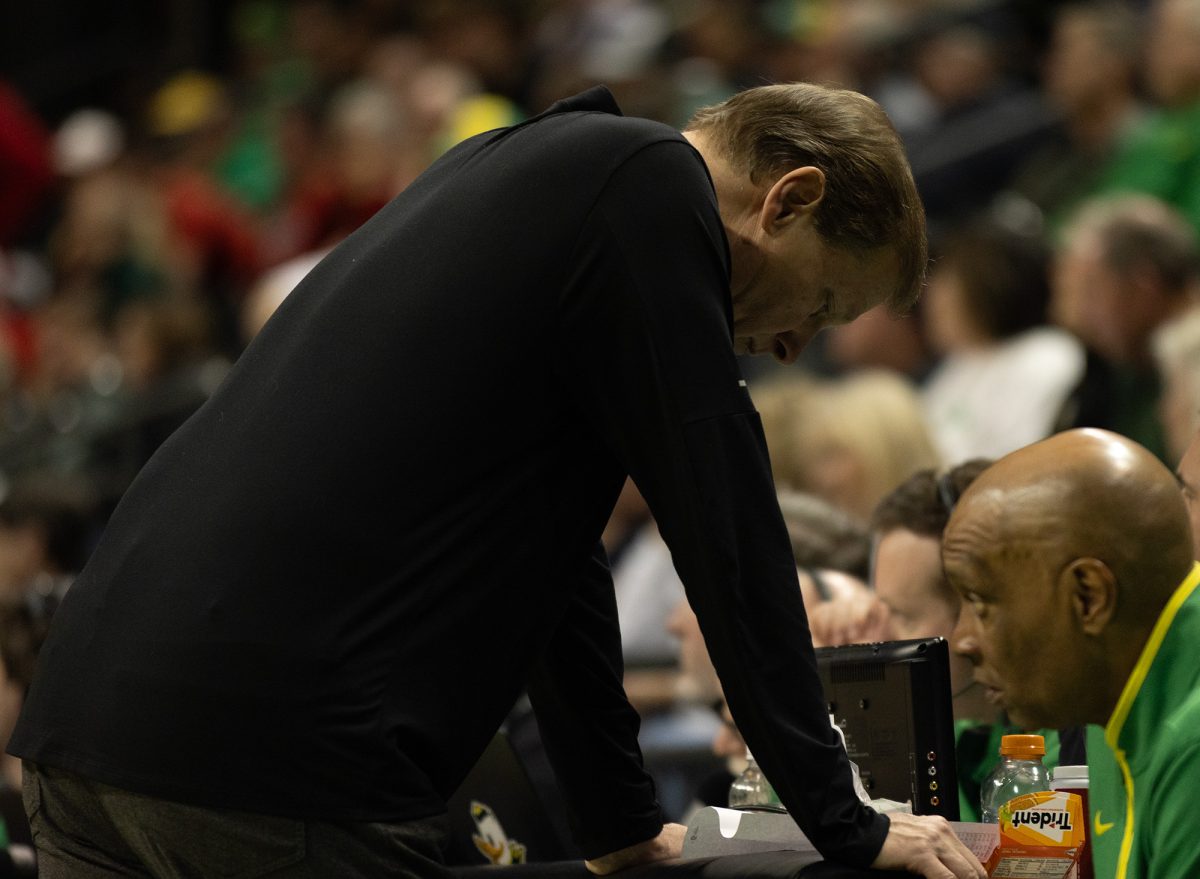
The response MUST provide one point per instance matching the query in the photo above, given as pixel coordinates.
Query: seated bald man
(1074, 560)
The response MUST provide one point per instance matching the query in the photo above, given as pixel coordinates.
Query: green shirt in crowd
(1161, 157)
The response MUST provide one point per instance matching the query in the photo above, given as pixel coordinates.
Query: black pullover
(324, 592)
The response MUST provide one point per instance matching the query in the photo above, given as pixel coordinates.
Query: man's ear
(796, 194)
(1092, 589)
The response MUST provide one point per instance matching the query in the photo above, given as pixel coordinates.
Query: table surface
(759, 865)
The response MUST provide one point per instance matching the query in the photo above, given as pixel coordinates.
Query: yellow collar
(1137, 677)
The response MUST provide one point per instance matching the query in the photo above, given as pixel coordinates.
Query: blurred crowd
(1056, 146)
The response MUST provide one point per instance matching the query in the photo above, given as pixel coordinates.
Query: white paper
(981, 839)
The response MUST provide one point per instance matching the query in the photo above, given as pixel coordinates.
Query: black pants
(85, 829)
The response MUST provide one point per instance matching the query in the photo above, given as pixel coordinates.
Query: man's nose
(675, 620)
(793, 343)
(964, 640)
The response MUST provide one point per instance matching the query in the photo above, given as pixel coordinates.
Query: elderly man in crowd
(1074, 560)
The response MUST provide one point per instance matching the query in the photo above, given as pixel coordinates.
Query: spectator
(848, 440)
(1004, 374)
(1177, 357)
(1161, 156)
(1091, 79)
(987, 120)
(831, 550)
(112, 238)
(362, 132)
(880, 340)
(1188, 474)
(1126, 267)
(645, 582)
(909, 580)
(907, 571)
(213, 237)
(824, 536)
(70, 396)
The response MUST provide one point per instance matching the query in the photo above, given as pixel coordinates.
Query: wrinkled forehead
(995, 532)
(976, 532)
(968, 542)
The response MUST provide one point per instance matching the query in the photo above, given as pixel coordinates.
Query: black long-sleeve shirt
(323, 593)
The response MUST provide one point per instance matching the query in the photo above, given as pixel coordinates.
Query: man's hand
(852, 614)
(668, 844)
(925, 844)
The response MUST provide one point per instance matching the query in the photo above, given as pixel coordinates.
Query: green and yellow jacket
(1144, 765)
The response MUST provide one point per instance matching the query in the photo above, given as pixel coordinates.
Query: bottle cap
(1071, 776)
(1022, 746)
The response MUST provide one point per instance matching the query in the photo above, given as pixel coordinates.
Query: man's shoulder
(1181, 730)
(1175, 756)
(591, 124)
(1172, 687)
(587, 148)
(613, 136)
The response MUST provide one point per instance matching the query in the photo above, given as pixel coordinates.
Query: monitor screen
(892, 701)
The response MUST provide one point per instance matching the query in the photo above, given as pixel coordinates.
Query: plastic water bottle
(751, 790)
(1020, 772)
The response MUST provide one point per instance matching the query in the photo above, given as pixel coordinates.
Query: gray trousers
(85, 829)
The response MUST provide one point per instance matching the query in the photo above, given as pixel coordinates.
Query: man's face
(1173, 53)
(908, 579)
(1079, 65)
(1016, 627)
(802, 285)
(1089, 300)
(908, 574)
(1189, 479)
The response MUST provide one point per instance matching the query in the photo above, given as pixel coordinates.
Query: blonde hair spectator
(848, 440)
(781, 404)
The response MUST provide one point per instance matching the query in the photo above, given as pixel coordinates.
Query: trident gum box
(1041, 836)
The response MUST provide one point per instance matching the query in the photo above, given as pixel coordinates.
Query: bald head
(1087, 494)
(1065, 553)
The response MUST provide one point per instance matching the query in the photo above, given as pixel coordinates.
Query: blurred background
(170, 169)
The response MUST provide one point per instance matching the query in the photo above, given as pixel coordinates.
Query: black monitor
(892, 701)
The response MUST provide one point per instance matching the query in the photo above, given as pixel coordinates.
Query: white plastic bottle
(1074, 779)
(1020, 772)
